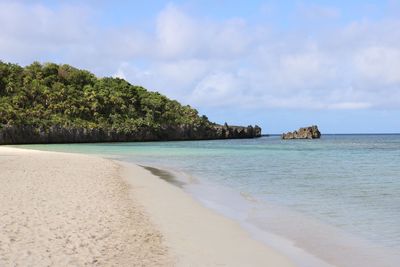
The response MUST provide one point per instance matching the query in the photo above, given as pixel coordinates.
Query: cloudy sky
(278, 64)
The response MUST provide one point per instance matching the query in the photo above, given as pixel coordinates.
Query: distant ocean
(337, 198)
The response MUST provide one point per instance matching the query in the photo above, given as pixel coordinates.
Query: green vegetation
(45, 95)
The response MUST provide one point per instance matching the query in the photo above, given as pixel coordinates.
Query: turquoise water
(348, 182)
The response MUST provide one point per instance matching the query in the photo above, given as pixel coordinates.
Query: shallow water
(341, 187)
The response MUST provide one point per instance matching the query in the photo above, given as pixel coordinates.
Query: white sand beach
(59, 209)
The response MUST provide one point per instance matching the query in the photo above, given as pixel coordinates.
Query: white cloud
(314, 12)
(349, 105)
(29, 31)
(176, 33)
(183, 72)
(119, 74)
(378, 64)
(179, 36)
(308, 69)
(220, 89)
(205, 62)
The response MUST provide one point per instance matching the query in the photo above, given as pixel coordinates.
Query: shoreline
(149, 221)
(198, 235)
(307, 243)
(201, 194)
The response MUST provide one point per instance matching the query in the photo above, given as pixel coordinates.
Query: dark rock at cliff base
(311, 132)
(58, 134)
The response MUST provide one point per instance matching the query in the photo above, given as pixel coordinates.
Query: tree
(45, 95)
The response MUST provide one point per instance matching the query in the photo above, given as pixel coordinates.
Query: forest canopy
(44, 95)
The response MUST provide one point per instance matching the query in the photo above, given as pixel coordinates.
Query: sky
(278, 64)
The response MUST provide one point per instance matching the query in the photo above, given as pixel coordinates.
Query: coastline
(55, 204)
(306, 241)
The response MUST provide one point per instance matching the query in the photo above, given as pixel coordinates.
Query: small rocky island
(311, 132)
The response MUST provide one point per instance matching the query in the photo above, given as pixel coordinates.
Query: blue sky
(278, 64)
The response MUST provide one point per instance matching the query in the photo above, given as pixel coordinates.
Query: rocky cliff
(311, 132)
(52, 103)
(56, 134)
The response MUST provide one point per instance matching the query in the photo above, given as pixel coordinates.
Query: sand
(59, 209)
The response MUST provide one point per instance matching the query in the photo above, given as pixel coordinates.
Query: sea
(333, 201)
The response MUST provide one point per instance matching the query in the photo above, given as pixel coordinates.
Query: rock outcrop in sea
(58, 134)
(311, 132)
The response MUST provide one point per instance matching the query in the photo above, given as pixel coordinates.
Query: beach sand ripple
(71, 210)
